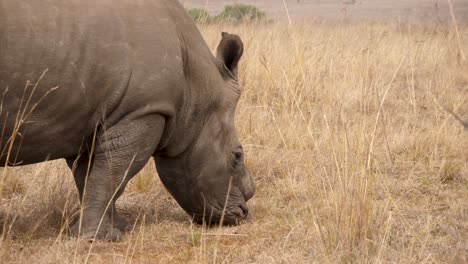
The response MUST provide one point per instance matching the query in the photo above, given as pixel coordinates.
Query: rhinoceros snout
(245, 211)
(249, 187)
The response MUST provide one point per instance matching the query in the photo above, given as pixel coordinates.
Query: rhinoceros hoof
(105, 232)
(120, 223)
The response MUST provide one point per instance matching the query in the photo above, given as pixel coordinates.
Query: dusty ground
(350, 10)
(356, 154)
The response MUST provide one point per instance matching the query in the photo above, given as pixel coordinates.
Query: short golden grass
(349, 132)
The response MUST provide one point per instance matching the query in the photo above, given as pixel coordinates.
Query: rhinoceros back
(65, 67)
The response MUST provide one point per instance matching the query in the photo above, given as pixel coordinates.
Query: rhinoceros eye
(237, 158)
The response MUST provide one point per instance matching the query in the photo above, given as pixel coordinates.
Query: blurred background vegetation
(234, 14)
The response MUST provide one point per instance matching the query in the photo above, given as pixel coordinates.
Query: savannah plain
(356, 136)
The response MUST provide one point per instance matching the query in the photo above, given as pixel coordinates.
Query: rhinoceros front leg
(121, 151)
(80, 167)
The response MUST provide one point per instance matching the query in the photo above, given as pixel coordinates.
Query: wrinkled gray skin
(139, 76)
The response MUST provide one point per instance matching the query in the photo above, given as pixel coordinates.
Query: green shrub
(236, 13)
(200, 15)
(239, 13)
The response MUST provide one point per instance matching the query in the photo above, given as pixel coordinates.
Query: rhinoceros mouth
(232, 216)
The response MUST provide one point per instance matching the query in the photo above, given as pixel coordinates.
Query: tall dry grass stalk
(345, 129)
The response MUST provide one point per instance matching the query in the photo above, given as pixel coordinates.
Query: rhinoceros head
(209, 179)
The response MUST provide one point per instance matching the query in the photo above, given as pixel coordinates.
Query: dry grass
(348, 132)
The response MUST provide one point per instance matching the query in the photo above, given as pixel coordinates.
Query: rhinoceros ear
(230, 51)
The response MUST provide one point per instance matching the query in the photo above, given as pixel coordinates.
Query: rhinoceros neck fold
(200, 97)
(200, 91)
